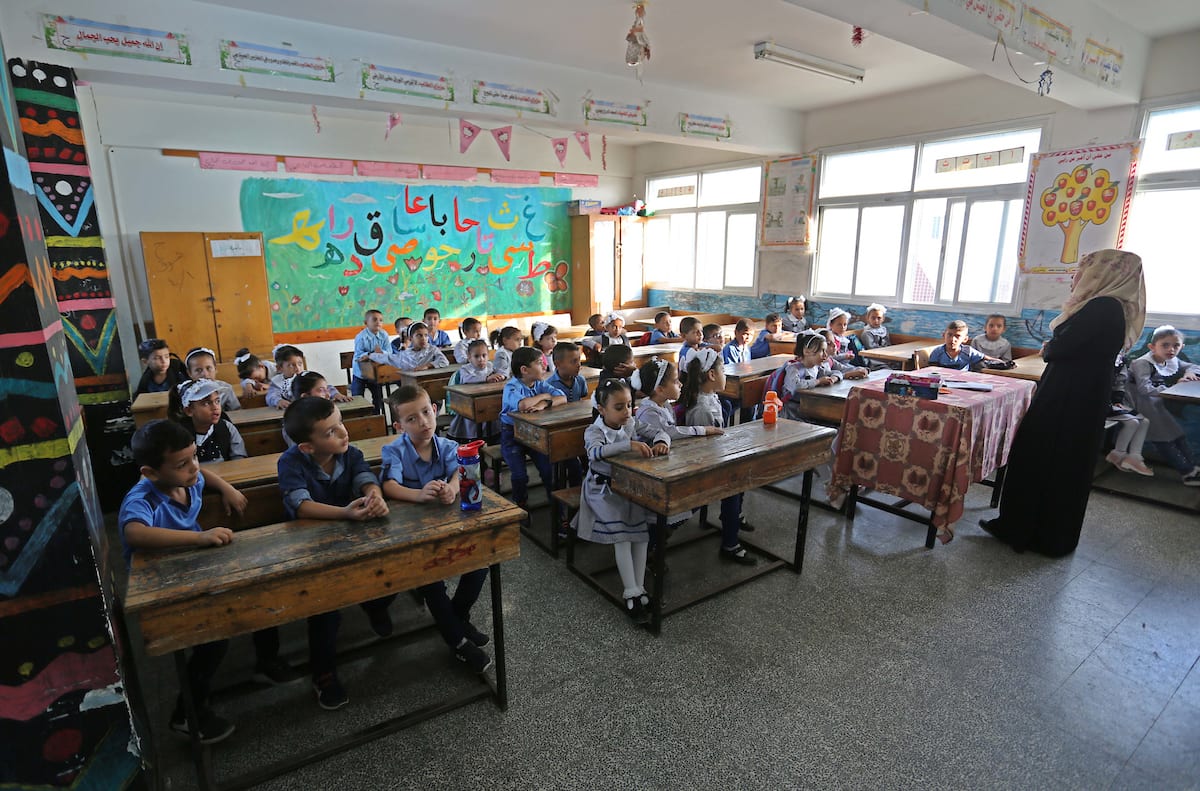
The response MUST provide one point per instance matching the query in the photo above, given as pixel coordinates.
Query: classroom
(342, 341)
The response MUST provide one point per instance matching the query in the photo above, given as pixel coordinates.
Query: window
(931, 222)
(1166, 202)
(704, 235)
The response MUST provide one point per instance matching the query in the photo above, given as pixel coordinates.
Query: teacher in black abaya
(1055, 449)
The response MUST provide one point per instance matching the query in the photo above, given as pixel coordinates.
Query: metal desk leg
(657, 537)
(802, 521)
(498, 636)
(558, 474)
(851, 502)
(200, 753)
(930, 535)
(998, 486)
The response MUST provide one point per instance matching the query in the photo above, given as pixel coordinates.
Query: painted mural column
(64, 719)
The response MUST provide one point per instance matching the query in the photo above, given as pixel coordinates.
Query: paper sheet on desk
(958, 384)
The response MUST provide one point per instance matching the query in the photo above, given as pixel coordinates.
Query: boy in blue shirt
(693, 338)
(371, 340)
(400, 342)
(526, 392)
(773, 332)
(954, 354)
(420, 467)
(437, 337)
(738, 350)
(662, 328)
(568, 359)
(160, 512)
(325, 477)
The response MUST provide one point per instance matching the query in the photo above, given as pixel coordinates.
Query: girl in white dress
(606, 517)
(476, 370)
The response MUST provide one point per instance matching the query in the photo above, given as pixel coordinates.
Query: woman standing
(1058, 441)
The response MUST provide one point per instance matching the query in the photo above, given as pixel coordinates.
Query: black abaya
(1054, 452)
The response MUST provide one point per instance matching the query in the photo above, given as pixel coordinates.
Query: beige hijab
(1110, 273)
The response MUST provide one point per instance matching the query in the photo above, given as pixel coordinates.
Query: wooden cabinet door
(241, 301)
(180, 292)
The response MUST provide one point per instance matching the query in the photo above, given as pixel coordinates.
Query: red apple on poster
(1108, 194)
(1062, 182)
(1091, 205)
(1080, 174)
(1101, 213)
(1050, 215)
(1076, 208)
(1099, 182)
(1049, 199)
(1070, 192)
(1062, 206)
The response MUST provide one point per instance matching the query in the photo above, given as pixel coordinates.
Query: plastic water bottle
(469, 492)
(770, 414)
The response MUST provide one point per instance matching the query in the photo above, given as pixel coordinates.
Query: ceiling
(1155, 17)
(704, 45)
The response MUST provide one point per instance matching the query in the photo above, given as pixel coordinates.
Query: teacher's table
(481, 402)
(271, 418)
(745, 382)
(901, 353)
(1028, 368)
(286, 572)
(701, 470)
(928, 452)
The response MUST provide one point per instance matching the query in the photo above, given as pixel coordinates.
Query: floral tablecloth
(929, 452)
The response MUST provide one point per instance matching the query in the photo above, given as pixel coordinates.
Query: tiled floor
(883, 665)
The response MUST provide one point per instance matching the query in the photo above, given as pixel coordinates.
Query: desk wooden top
(147, 402)
(667, 351)
(1028, 368)
(256, 470)
(826, 404)
(557, 432)
(900, 352)
(287, 571)
(1183, 391)
(740, 378)
(705, 469)
(269, 416)
(481, 402)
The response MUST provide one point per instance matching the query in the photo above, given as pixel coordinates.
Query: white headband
(539, 329)
(611, 317)
(192, 391)
(835, 312)
(707, 357)
(660, 369)
(201, 350)
(241, 358)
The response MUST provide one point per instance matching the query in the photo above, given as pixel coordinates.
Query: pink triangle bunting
(503, 135)
(559, 144)
(467, 132)
(585, 142)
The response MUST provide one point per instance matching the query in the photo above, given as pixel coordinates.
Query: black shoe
(474, 635)
(636, 610)
(274, 671)
(745, 526)
(330, 692)
(473, 656)
(381, 621)
(213, 729)
(994, 528)
(737, 555)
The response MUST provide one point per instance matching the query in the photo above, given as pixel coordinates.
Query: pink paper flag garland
(585, 142)
(503, 135)
(467, 132)
(393, 120)
(559, 144)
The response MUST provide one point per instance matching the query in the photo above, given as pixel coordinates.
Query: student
(304, 385)
(993, 343)
(614, 332)
(1126, 454)
(1152, 374)
(196, 405)
(526, 392)
(163, 371)
(544, 337)
(325, 477)
(692, 333)
(437, 337)
(793, 315)
(706, 378)
(617, 363)
(762, 344)
(289, 361)
(738, 350)
(468, 331)
(477, 369)
(595, 325)
(874, 336)
(809, 370)
(370, 340)
(605, 517)
(662, 328)
(846, 370)
(568, 359)
(419, 467)
(161, 511)
(421, 355)
(508, 340)
(713, 338)
(254, 373)
(953, 353)
(400, 342)
(842, 350)
(201, 363)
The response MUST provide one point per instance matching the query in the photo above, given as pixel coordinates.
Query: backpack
(644, 340)
(775, 382)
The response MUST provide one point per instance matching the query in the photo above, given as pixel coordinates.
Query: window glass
(683, 250)
(1156, 223)
(672, 192)
(880, 238)
(1168, 145)
(725, 187)
(710, 250)
(925, 250)
(740, 246)
(977, 161)
(868, 172)
(839, 234)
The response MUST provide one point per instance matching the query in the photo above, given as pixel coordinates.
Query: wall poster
(787, 201)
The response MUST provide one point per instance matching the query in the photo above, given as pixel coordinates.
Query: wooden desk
(1188, 392)
(285, 572)
(703, 470)
(744, 382)
(431, 380)
(269, 417)
(258, 470)
(667, 351)
(556, 432)
(149, 406)
(899, 353)
(825, 405)
(481, 402)
(1028, 368)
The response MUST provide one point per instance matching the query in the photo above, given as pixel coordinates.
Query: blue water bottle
(469, 492)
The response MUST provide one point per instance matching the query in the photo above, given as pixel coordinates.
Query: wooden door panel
(241, 301)
(177, 277)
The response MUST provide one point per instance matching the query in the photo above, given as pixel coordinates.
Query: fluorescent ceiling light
(765, 50)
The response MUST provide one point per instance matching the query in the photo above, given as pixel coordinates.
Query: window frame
(728, 208)
(995, 192)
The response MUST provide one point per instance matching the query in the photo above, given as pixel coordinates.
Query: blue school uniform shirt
(735, 353)
(397, 343)
(365, 343)
(150, 505)
(440, 339)
(516, 391)
(657, 336)
(574, 391)
(761, 346)
(402, 463)
(300, 479)
(967, 357)
(686, 349)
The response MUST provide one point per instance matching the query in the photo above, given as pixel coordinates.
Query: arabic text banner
(335, 249)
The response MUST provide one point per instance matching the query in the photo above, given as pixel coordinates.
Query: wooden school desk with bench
(285, 572)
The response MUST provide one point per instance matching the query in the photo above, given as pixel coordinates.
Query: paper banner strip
(576, 180)
(217, 160)
(390, 170)
(448, 173)
(338, 167)
(529, 177)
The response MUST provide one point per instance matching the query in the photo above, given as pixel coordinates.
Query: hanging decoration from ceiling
(316, 120)
(637, 50)
(393, 120)
(857, 35)
(503, 135)
(559, 144)
(467, 132)
(585, 142)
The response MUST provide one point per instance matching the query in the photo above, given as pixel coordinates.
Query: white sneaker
(1136, 464)
(1192, 478)
(1115, 458)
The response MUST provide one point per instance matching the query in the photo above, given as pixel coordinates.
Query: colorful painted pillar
(64, 717)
